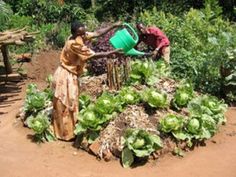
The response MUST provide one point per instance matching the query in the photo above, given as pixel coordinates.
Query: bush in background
(199, 41)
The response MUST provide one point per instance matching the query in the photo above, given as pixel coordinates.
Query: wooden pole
(6, 61)
(109, 74)
(117, 79)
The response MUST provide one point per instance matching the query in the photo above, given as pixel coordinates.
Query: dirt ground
(20, 157)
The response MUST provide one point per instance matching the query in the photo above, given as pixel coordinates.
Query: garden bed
(150, 116)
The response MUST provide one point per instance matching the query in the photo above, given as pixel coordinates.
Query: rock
(95, 147)
(213, 141)
(74, 153)
(107, 155)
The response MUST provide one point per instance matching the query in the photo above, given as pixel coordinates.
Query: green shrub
(17, 21)
(49, 11)
(57, 35)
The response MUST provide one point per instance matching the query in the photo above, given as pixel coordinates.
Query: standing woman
(65, 80)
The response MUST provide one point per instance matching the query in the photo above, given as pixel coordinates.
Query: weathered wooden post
(6, 61)
(117, 72)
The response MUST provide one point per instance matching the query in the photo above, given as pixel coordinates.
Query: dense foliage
(200, 42)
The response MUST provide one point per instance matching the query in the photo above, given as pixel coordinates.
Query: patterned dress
(66, 87)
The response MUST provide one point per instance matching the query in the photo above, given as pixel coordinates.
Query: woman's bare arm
(105, 54)
(103, 31)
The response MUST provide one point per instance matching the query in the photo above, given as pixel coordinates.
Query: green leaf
(49, 136)
(157, 141)
(127, 158)
(92, 136)
(84, 101)
(79, 129)
(127, 95)
(181, 135)
(178, 151)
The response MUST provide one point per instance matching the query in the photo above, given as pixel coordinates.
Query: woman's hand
(154, 53)
(118, 24)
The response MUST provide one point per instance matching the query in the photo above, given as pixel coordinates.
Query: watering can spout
(122, 39)
(134, 52)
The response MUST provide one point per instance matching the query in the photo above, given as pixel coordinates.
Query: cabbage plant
(171, 123)
(138, 143)
(203, 127)
(40, 125)
(94, 116)
(35, 100)
(84, 101)
(90, 123)
(107, 104)
(127, 96)
(145, 72)
(208, 105)
(184, 93)
(155, 98)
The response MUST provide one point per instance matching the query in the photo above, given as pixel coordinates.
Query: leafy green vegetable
(147, 72)
(107, 104)
(201, 128)
(194, 126)
(91, 122)
(208, 105)
(93, 116)
(144, 72)
(171, 123)
(140, 143)
(40, 125)
(155, 98)
(84, 101)
(36, 100)
(128, 95)
(127, 157)
(183, 95)
(162, 68)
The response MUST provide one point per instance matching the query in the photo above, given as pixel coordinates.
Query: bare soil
(20, 157)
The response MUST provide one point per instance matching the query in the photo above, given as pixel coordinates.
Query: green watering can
(123, 40)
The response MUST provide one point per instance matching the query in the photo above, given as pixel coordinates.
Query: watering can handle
(134, 32)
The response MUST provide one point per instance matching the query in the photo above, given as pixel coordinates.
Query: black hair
(75, 25)
(138, 24)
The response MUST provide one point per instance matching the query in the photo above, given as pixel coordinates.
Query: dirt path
(19, 157)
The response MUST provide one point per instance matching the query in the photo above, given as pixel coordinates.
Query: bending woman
(65, 81)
